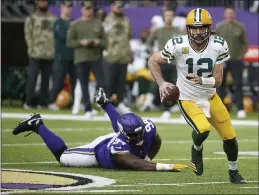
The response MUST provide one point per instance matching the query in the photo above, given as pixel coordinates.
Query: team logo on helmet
(209, 16)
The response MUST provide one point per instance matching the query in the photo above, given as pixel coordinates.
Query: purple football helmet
(132, 127)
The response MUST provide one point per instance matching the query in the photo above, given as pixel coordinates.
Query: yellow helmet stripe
(197, 15)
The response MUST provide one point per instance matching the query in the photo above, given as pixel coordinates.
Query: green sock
(231, 149)
(143, 85)
(153, 87)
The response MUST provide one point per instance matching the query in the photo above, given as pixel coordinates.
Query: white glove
(170, 167)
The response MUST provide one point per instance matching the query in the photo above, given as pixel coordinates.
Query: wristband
(163, 167)
(208, 82)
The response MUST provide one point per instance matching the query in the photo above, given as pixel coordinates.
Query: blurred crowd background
(55, 53)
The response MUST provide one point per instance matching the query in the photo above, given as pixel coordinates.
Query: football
(173, 96)
(63, 99)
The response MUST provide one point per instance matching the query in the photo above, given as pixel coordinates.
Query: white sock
(135, 89)
(77, 95)
(149, 98)
(232, 165)
(198, 148)
(91, 89)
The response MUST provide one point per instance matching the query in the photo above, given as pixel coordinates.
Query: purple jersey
(115, 143)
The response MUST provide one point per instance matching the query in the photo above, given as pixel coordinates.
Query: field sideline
(30, 153)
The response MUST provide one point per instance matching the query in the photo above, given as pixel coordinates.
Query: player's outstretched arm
(156, 144)
(154, 63)
(135, 163)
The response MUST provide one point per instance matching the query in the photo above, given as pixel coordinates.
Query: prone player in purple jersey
(133, 145)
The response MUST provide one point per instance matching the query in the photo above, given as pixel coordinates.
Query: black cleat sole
(30, 124)
(196, 162)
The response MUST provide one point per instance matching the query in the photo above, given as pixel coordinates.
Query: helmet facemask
(199, 34)
(133, 136)
(136, 137)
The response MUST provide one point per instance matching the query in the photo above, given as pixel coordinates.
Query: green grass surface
(18, 108)
(77, 131)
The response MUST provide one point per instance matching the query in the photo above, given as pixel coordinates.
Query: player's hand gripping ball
(172, 96)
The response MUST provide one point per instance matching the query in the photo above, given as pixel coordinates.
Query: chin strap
(192, 39)
(193, 42)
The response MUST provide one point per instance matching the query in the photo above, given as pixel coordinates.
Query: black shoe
(235, 177)
(100, 97)
(196, 162)
(30, 124)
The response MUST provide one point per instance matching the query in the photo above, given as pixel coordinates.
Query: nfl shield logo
(185, 50)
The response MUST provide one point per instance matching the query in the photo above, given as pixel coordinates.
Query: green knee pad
(198, 139)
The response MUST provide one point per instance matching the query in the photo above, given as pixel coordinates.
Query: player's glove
(100, 97)
(179, 167)
(170, 167)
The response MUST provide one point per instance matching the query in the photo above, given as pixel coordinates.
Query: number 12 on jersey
(200, 62)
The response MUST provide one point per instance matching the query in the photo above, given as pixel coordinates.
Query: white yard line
(217, 158)
(64, 191)
(27, 163)
(155, 160)
(164, 142)
(40, 144)
(251, 187)
(76, 129)
(104, 191)
(102, 118)
(70, 129)
(177, 184)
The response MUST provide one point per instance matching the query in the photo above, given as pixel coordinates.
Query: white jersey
(140, 55)
(200, 63)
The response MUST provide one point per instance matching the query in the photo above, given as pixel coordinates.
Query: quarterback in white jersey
(190, 61)
(140, 55)
(200, 56)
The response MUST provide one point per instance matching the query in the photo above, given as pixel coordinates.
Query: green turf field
(13, 109)
(19, 152)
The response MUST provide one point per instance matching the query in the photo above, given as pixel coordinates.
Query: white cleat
(76, 108)
(123, 109)
(146, 107)
(53, 107)
(175, 108)
(241, 114)
(182, 117)
(26, 107)
(94, 112)
(165, 115)
(75, 111)
(88, 115)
